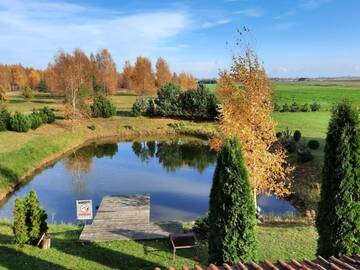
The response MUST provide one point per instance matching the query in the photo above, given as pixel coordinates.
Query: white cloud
(32, 31)
(209, 24)
(285, 14)
(313, 4)
(251, 12)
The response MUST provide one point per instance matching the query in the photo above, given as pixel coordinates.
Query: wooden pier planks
(126, 218)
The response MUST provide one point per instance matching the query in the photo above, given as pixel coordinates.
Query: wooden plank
(126, 218)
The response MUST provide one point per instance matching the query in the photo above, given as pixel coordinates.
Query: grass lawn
(311, 124)
(281, 242)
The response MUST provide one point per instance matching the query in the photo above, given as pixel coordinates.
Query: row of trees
(17, 77)
(145, 81)
(98, 72)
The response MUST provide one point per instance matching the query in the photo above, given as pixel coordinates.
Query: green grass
(326, 95)
(311, 124)
(281, 242)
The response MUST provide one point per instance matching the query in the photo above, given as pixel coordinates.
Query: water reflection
(176, 173)
(175, 154)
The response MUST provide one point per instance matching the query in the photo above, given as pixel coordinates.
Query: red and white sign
(84, 210)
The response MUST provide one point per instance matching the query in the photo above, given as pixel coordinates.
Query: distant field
(312, 125)
(324, 92)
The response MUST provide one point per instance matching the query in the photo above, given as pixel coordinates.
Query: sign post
(84, 210)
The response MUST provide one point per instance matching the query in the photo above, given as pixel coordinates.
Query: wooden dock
(126, 218)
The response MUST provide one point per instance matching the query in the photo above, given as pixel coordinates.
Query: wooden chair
(182, 241)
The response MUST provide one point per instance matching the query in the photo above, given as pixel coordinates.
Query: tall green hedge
(232, 217)
(338, 219)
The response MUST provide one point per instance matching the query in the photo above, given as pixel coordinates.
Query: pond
(177, 173)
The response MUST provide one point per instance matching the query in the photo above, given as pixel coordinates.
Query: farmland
(326, 93)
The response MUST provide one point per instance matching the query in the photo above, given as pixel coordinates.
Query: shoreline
(87, 136)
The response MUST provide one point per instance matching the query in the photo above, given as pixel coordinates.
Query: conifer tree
(338, 219)
(232, 218)
(35, 218)
(19, 228)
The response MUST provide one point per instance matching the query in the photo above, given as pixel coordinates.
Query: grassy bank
(280, 242)
(21, 154)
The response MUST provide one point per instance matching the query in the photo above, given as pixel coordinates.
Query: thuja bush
(50, 115)
(297, 135)
(20, 122)
(35, 119)
(198, 103)
(338, 219)
(142, 106)
(29, 220)
(102, 107)
(313, 144)
(4, 119)
(167, 101)
(232, 216)
(20, 228)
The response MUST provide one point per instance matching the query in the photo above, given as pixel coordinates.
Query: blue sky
(292, 37)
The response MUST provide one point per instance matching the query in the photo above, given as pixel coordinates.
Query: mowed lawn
(275, 242)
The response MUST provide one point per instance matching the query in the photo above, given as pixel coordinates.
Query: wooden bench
(182, 241)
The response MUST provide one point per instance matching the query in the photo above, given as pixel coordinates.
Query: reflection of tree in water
(144, 150)
(175, 154)
(80, 162)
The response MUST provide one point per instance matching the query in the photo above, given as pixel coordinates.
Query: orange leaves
(143, 79)
(187, 81)
(245, 93)
(106, 71)
(163, 74)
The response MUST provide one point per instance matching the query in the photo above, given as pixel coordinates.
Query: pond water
(177, 174)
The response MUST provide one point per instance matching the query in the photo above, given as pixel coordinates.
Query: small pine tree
(42, 86)
(338, 219)
(232, 218)
(20, 228)
(35, 218)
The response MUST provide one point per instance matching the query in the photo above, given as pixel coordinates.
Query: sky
(293, 38)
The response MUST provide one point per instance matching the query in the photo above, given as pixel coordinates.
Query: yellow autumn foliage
(246, 93)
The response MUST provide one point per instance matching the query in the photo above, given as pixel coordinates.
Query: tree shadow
(16, 101)
(4, 238)
(108, 257)
(44, 101)
(124, 113)
(16, 259)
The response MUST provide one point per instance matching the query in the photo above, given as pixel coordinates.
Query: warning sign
(84, 209)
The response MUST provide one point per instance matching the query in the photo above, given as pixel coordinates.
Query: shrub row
(294, 107)
(199, 103)
(22, 123)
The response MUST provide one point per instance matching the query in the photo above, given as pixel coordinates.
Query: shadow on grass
(16, 101)
(124, 113)
(102, 255)
(12, 258)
